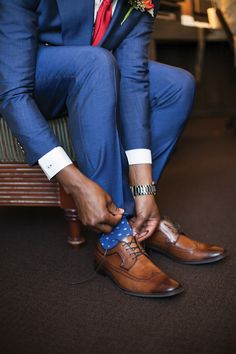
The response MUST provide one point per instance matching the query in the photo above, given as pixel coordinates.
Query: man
(125, 114)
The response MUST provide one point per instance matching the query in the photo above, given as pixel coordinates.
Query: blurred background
(184, 37)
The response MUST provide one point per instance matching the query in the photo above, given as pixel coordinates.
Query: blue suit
(116, 99)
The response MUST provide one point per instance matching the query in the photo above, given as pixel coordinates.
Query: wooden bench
(22, 185)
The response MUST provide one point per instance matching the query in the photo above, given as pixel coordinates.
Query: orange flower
(148, 4)
(139, 5)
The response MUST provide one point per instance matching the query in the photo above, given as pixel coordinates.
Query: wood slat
(19, 194)
(21, 184)
(41, 203)
(25, 185)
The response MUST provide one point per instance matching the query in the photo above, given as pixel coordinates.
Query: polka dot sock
(120, 231)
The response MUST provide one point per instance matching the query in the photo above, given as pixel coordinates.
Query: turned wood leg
(75, 231)
(76, 237)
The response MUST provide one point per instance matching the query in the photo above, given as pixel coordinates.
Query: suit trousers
(84, 82)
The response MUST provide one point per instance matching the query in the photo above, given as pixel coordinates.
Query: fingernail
(122, 210)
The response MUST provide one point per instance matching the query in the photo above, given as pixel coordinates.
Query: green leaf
(127, 15)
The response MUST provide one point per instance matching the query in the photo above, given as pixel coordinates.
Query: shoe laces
(133, 247)
(93, 274)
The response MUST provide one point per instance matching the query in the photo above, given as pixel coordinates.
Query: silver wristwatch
(144, 189)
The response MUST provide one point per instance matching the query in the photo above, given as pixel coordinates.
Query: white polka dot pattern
(119, 232)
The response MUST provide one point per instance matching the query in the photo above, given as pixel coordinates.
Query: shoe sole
(205, 261)
(105, 273)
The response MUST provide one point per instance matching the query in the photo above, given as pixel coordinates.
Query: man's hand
(147, 217)
(95, 207)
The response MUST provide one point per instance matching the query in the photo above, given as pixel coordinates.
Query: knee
(170, 84)
(181, 84)
(183, 95)
(172, 91)
(185, 83)
(98, 60)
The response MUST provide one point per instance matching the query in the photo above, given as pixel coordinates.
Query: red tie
(102, 22)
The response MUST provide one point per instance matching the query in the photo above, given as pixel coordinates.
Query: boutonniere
(140, 5)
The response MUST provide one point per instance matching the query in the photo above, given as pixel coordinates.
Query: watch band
(144, 189)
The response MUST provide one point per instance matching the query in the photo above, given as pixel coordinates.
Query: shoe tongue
(168, 228)
(129, 239)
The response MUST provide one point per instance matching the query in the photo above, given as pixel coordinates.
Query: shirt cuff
(54, 161)
(139, 156)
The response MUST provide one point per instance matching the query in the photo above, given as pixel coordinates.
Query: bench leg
(75, 227)
(75, 230)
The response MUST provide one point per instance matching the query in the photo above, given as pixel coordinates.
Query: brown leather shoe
(175, 244)
(129, 267)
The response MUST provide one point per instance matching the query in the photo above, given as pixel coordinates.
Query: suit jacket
(27, 24)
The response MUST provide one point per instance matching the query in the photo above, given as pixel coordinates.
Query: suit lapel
(77, 19)
(117, 32)
(120, 11)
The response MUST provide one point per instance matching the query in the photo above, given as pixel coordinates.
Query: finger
(104, 228)
(112, 220)
(100, 228)
(131, 224)
(139, 225)
(113, 209)
(141, 236)
(150, 229)
(95, 229)
(107, 224)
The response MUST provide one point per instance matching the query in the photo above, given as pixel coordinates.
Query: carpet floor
(41, 313)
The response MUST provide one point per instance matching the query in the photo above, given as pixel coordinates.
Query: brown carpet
(40, 313)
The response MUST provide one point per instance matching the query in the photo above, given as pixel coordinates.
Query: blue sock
(120, 231)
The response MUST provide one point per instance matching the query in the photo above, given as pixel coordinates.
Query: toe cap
(169, 287)
(216, 251)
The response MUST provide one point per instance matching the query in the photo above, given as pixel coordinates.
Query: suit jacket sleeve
(132, 59)
(18, 50)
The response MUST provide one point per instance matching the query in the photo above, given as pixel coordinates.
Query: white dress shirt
(57, 159)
